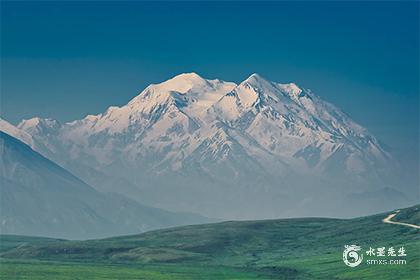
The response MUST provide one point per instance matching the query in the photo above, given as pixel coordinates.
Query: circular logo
(351, 255)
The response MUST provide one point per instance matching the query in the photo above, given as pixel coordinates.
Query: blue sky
(68, 59)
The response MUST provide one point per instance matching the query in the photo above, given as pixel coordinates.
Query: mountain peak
(257, 81)
(38, 123)
(191, 78)
(255, 77)
(188, 76)
(181, 83)
(30, 122)
(191, 84)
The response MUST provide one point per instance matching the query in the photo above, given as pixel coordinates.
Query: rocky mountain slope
(38, 197)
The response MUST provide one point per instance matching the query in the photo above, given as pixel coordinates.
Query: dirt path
(388, 221)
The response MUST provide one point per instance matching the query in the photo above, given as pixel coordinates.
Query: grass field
(307, 248)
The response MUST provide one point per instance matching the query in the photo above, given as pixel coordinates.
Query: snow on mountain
(255, 137)
(16, 132)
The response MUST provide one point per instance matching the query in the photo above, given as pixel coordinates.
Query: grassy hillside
(8, 242)
(307, 248)
(409, 215)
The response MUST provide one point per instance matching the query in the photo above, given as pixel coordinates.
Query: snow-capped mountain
(220, 149)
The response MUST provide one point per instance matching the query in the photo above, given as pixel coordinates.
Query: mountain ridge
(39, 197)
(276, 137)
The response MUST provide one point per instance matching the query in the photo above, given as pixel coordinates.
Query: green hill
(304, 248)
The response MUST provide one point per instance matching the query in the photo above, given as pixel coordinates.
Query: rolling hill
(304, 248)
